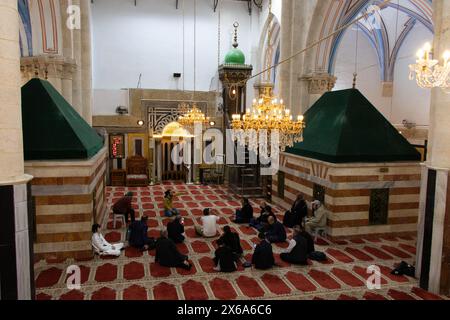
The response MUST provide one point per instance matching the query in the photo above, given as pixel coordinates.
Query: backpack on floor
(318, 256)
(404, 269)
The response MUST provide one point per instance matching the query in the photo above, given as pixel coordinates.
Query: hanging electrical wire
(382, 5)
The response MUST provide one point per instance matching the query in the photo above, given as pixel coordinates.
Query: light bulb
(427, 47)
(301, 118)
(420, 54)
(446, 56)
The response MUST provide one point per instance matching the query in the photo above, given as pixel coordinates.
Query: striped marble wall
(69, 198)
(348, 190)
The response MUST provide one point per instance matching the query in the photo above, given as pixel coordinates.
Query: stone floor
(135, 276)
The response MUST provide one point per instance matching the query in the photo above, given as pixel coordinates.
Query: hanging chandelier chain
(195, 47)
(184, 45)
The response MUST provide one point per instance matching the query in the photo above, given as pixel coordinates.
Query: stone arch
(333, 15)
(163, 122)
(270, 52)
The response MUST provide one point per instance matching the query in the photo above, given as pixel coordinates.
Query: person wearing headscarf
(245, 214)
(297, 213)
(318, 220)
(175, 229)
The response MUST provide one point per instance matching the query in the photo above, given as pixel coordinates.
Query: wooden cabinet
(118, 178)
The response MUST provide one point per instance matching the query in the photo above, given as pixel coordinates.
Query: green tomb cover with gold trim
(52, 129)
(344, 127)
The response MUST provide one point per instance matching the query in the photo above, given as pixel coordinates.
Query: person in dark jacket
(167, 254)
(175, 230)
(232, 240)
(309, 240)
(225, 259)
(276, 232)
(138, 237)
(123, 206)
(297, 213)
(260, 223)
(262, 257)
(245, 214)
(297, 252)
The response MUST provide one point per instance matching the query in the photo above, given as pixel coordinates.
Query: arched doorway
(170, 140)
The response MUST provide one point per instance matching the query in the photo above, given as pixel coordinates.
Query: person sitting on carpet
(167, 254)
(138, 237)
(261, 223)
(319, 220)
(232, 240)
(263, 255)
(297, 213)
(102, 246)
(310, 248)
(276, 232)
(245, 214)
(123, 206)
(175, 229)
(208, 229)
(225, 259)
(297, 252)
(169, 210)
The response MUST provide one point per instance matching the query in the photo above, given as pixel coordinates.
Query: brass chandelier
(191, 115)
(428, 72)
(268, 113)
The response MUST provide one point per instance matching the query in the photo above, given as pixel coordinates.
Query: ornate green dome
(235, 56)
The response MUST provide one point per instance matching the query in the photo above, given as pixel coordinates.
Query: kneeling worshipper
(276, 232)
(319, 220)
(103, 247)
(297, 252)
(208, 229)
(175, 229)
(262, 257)
(232, 240)
(245, 214)
(123, 206)
(298, 212)
(138, 235)
(167, 254)
(225, 259)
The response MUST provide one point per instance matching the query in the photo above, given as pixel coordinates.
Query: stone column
(318, 84)
(286, 51)
(67, 39)
(77, 102)
(16, 258)
(433, 254)
(297, 17)
(159, 159)
(86, 60)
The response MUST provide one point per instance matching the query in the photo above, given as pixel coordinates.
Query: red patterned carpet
(135, 276)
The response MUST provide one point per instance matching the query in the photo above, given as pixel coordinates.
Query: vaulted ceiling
(386, 28)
